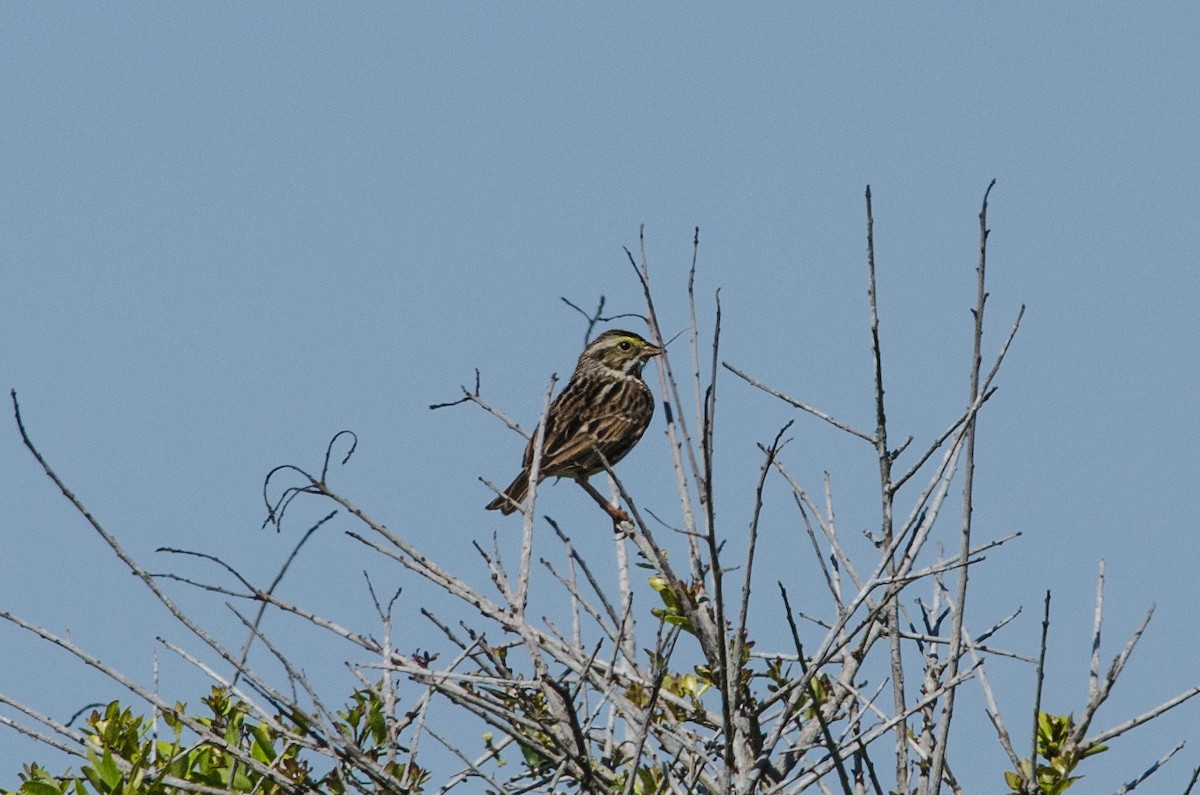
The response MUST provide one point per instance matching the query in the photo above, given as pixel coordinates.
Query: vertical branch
(677, 430)
(1094, 666)
(703, 484)
(694, 334)
(960, 595)
(880, 414)
(535, 467)
(830, 744)
(727, 678)
(626, 634)
(887, 495)
(752, 540)
(388, 690)
(157, 713)
(706, 436)
(706, 452)
(1037, 692)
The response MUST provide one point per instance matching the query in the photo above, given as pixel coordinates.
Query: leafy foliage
(1061, 755)
(126, 757)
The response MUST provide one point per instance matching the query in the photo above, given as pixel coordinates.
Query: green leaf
(679, 621)
(108, 771)
(532, 757)
(39, 788)
(263, 749)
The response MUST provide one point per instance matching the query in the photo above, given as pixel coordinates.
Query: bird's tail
(513, 496)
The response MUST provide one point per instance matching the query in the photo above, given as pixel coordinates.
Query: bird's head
(620, 352)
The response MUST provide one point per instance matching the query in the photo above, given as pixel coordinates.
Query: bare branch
(1148, 772)
(800, 404)
(960, 596)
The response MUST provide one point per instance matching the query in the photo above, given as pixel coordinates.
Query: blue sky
(228, 232)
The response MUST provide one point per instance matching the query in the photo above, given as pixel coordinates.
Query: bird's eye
(624, 345)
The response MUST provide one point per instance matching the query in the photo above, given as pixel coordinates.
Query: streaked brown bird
(603, 410)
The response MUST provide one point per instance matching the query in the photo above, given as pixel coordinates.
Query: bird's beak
(650, 351)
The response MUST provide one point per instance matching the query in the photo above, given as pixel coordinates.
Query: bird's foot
(618, 514)
(614, 510)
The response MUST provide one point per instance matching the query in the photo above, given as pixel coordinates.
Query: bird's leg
(618, 515)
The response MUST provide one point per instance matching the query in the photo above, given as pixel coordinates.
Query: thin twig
(1037, 693)
(1150, 771)
(799, 404)
(960, 596)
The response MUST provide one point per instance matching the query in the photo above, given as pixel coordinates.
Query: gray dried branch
(799, 404)
(1148, 772)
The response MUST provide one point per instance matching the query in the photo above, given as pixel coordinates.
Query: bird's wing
(581, 420)
(612, 432)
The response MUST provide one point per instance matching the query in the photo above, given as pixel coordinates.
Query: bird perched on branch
(599, 416)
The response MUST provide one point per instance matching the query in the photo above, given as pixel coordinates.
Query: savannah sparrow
(604, 409)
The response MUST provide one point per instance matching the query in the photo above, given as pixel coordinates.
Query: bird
(599, 416)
